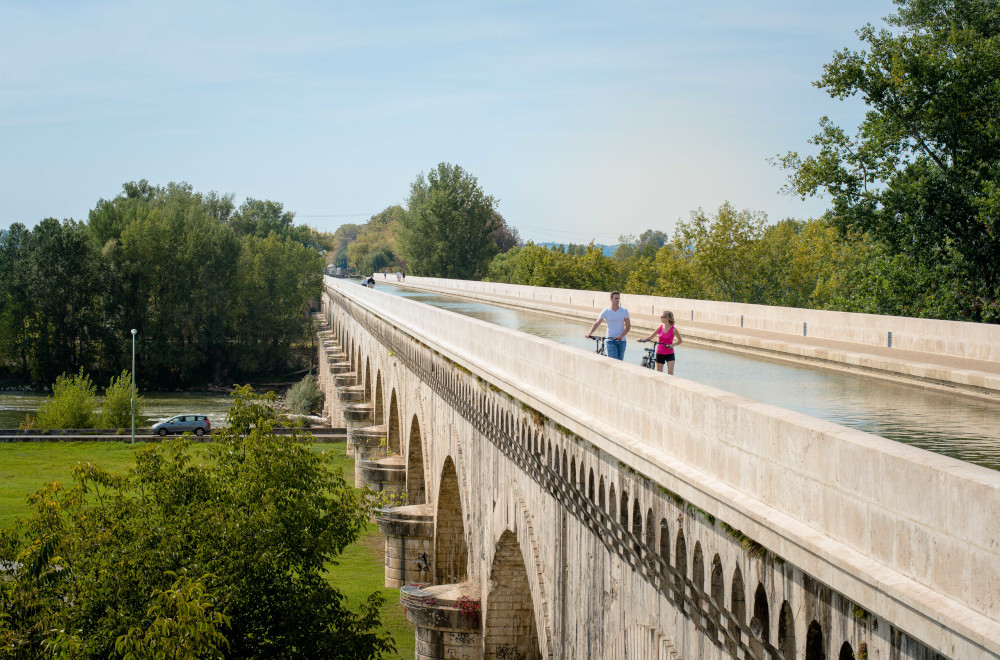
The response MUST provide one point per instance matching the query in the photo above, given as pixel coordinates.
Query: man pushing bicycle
(618, 323)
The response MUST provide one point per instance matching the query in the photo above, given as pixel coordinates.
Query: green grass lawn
(25, 466)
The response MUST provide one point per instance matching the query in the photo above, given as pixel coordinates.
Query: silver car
(197, 424)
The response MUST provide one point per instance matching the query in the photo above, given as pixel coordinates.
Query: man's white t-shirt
(615, 320)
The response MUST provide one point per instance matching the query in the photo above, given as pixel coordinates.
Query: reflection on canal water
(956, 426)
(14, 406)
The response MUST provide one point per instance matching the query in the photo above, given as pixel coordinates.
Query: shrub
(116, 413)
(304, 397)
(71, 405)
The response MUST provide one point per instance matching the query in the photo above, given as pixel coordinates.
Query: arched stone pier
(448, 620)
(357, 416)
(409, 543)
(369, 445)
(386, 475)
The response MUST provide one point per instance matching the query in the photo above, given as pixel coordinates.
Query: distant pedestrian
(667, 336)
(618, 323)
(371, 281)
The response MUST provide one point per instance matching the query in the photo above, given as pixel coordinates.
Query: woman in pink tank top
(667, 336)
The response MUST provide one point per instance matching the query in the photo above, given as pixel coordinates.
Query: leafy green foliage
(216, 293)
(183, 625)
(729, 255)
(449, 227)
(71, 405)
(374, 247)
(258, 516)
(305, 397)
(116, 411)
(920, 177)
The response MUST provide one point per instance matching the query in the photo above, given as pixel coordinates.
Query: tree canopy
(216, 293)
(190, 553)
(450, 225)
(921, 175)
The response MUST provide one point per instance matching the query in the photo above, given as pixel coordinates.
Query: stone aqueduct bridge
(562, 505)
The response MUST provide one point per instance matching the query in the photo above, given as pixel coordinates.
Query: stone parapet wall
(974, 341)
(899, 530)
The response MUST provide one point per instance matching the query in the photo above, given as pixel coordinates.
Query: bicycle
(599, 348)
(649, 359)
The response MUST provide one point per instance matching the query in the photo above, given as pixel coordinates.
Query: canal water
(960, 427)
(15, 405)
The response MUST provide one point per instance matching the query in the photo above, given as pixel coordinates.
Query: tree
(449, 225)
(374, 247)
(505, 236)
(305, 397)
(278, 277)
(342, 238)
(720, 257)
(116, 411)
(922, 174)
(71, 405)
(258, 517)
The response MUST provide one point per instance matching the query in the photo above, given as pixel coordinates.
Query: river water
(961, 427)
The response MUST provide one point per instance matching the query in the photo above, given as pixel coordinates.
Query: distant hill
(608, 250)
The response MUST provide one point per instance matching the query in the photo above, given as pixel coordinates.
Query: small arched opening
(846, 652)
(680, 563)
(786, 632)
(815, 648)
(737, 603)
(697, 576)
(762, 612)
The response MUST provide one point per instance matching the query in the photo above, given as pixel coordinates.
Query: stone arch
(664, 541)
(786, 632)
(717, 590)
(572, 472)
(815, 648)
(637, 524)
(368, 380)
(697, 576)
(612, 503)
(451, 553)
(762, 612)
(737, 603)
(650, 531)
(680, 563)
(509, 628)
(590, 486)
(548, 452)
(846, 652)
(623, 510)
(415, 489)
(565, 465)
(379, 417)
(556, 464)
(600, 501)
(393, 431)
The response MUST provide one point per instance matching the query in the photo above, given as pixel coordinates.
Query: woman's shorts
(664, 357)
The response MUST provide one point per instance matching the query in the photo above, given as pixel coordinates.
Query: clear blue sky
(585, 119)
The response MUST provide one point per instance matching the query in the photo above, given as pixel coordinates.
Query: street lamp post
(133, 385)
